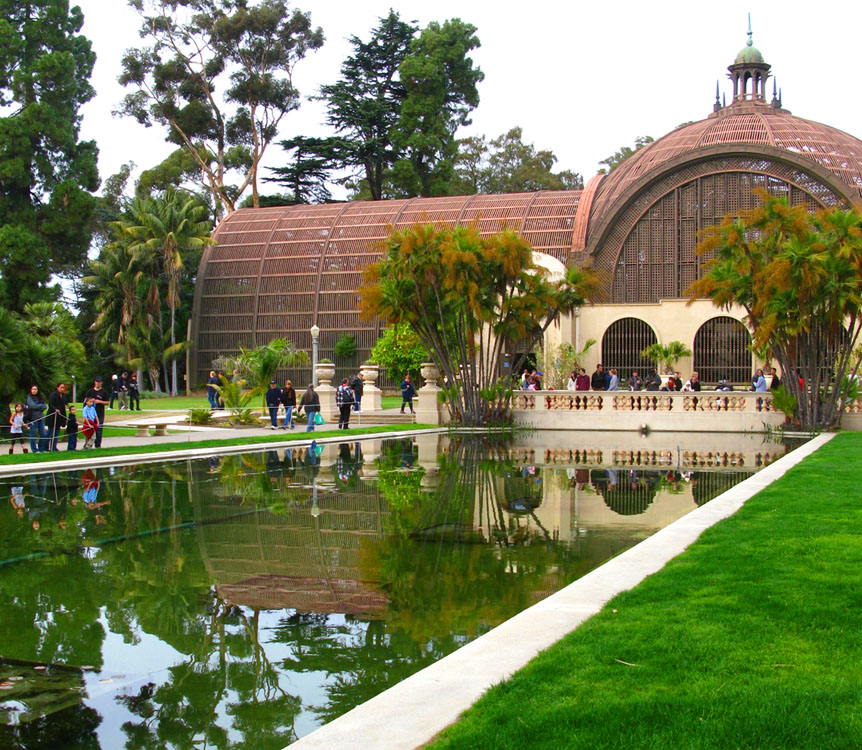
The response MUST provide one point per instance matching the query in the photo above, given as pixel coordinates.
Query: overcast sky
(581, 78)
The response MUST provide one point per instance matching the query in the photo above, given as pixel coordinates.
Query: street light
(315, 335)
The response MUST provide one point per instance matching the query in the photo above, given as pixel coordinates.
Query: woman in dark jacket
(311, 403)
(34, 416)
(288, 399)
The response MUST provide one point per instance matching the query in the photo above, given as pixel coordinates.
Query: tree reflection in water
(349, 568)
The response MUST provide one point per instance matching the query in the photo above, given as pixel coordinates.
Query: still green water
(242, 602)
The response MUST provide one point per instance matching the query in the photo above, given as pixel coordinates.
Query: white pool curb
(94, 460)
(412, 712)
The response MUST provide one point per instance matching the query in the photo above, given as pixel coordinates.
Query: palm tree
(169, 226)
(666, 354)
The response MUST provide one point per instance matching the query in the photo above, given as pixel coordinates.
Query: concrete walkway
(411, 713)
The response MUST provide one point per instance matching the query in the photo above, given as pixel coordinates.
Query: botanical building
(278, 271)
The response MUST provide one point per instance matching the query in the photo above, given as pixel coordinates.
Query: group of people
(609, 380)
(45, 422)
(348, 398)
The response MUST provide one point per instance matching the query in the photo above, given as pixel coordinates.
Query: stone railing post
(371, 394)
(429, 410)
(325, 371)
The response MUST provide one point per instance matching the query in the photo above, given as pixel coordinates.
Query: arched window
(721, 351)
(622, 345)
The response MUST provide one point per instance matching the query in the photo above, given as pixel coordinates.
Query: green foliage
(784, 401)
(218, 77)
(258, 366)
(465, 297)
(345, 347)
(799, 278)
(310, 161)
(200, 416)
(557, 363)
(508, 165)
(47, 174)
(666, 355)
(400, 351)
(613, 161)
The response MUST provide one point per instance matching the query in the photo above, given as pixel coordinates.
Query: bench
(160, 429)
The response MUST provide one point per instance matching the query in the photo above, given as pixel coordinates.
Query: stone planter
(325, 372)
(430, 373)
(369, 373)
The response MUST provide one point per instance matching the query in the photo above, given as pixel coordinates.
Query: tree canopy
(614, 160)
(218, 75)
(47, 174)
(508, 165)
(799, 277)
(468, 297)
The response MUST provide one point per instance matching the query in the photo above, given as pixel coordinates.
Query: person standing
(115, 390)
(776, 381)
(572, 383)
(134, 393)
(582, 382)
(759, 382)
(34, 416)
(288, 400)
(653, 381)
(56, 420)
(310, 401)
(123, 391)
(100, 401)
(692, 384)
(212, 391)
(635, 381)
(357, 384)
(344, 399)
(91, 422)
(614, 382)
(16, 428)
(71, 429)
(407, 394)
(599, 380)
(273, 401)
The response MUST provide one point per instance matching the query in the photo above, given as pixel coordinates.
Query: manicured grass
(750, 639)
(252, 441)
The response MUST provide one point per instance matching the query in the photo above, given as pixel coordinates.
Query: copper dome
(761, 126)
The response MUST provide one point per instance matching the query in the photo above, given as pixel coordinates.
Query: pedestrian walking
(288, 400)
(310, 402)
(134, 393)
(344, 399)
(273, 401)
(358, 385)
(407, 394)
(212, 391)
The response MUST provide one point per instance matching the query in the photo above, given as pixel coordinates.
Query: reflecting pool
(243, 601)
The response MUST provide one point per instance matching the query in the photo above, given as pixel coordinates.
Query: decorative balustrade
(565, 456)
(647, 401)
(643, 458)
(702, 459)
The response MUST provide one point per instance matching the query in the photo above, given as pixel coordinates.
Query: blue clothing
(760, 384)
(273, 396)
(273, 416)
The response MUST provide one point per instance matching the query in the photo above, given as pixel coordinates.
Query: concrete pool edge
(94, 460)
(411, 713)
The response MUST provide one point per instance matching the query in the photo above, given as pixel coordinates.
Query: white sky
(582, 78)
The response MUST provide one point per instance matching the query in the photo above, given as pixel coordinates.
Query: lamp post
(315, 335)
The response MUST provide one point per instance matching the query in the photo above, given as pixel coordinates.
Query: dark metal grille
(657, 259)
(721, 350)
(622, 345)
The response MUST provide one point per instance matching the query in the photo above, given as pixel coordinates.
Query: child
(71, 429)
(16, 420)
(91, 422)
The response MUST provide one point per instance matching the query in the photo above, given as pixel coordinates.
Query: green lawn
(750, 639)
(253, 441)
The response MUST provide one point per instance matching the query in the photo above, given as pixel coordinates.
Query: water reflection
(242, 601)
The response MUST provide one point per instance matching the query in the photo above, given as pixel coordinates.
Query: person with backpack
(344, 400)
(357, 384)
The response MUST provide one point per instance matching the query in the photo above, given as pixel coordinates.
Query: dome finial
(749, 43)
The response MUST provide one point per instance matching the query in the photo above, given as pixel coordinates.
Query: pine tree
(47, 174)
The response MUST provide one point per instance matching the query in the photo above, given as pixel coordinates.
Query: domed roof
(748, 54)
(830, 148)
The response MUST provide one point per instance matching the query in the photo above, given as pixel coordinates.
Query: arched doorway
(622, 345)
(721, 351)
